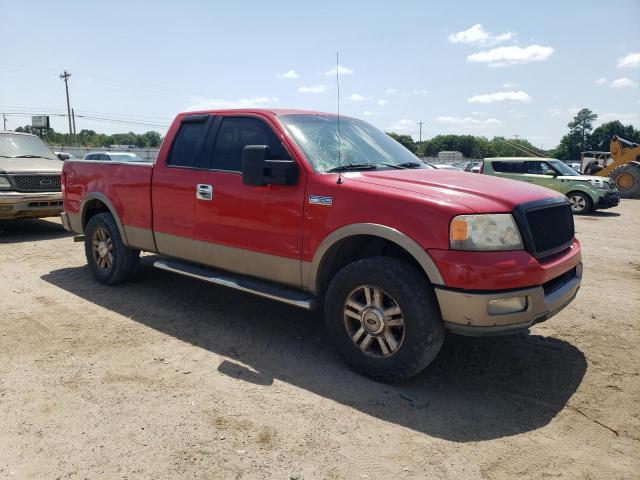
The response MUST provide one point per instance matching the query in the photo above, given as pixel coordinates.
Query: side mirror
(259, 171)
(63, 156)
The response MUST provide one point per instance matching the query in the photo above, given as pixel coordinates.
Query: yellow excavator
(621, 164)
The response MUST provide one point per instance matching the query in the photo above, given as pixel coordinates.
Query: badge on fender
(321, 200)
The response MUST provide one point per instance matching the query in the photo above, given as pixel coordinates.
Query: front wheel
(382, 315)
(580, 202)
(110, 261)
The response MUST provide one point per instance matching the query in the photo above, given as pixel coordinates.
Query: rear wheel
(627, 178)
(580, 202)
(383, 317)
(110, 261)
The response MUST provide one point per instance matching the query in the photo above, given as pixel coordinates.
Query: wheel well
(357, 247)
(93, 207)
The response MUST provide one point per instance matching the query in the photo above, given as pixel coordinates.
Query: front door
(243, 228)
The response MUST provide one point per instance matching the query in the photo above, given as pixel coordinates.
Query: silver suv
(29, 177)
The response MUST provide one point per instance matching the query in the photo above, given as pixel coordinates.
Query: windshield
(25, 146)
(362, 143)
(563, 168)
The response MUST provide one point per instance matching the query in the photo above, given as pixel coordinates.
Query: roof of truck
(274, 111)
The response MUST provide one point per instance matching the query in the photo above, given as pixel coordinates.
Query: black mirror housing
(63, 156)
(258, 170)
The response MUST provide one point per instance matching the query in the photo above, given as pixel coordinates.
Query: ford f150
(312, 209)
(29, 177)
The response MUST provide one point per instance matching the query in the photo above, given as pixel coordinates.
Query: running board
(297, 298)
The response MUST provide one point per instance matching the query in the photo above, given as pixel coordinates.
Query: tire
(417, 341)
(111, 262)
(627, 178)
(581, 203)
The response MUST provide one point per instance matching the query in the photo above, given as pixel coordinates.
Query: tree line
(90, 138)
(580, 138)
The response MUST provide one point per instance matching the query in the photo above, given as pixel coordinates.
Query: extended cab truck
(29, 177)
(311, 209)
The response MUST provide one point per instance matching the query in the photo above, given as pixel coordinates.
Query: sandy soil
(171, 378)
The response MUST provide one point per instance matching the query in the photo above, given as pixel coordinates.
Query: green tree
(601, 136)
(582, 126)
(404, 140)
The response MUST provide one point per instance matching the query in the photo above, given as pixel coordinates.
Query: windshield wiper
(411, 164)
(354, 166)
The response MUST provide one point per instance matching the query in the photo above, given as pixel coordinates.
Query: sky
(483, 68)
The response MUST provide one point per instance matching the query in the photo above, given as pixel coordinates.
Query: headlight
(4, 183)
(494, 231)
(600, 183)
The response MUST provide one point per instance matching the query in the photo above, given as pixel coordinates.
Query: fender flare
(101, 197)
(376, 230)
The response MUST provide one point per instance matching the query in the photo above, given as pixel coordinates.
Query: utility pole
(65, 76)
(514, 150)
(73, 118)
(420, 123)
(4, 120)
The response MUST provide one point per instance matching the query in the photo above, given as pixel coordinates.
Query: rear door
(174, 187)
(243, 228)
(508, 169)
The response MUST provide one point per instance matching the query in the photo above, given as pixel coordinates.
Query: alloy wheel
(374, 321)
(102, 248)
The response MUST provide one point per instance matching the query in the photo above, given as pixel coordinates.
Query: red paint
(279, 220)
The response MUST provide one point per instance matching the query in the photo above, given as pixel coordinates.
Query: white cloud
(382, 102)
(562, 112)
(623, 117)
(201, 103)
(601, 81)
(630, 61)
(512, 55)
(312, 89)
(358, 98)
(420, 91)
(369, 113)
(509, 96)
(341, 70)
(509, 85)
(391, 91)
(468, 121)
(479, 36)
(623, 83)
(403, 126)
(289, 74)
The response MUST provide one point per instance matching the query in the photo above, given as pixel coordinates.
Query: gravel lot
(171, 378)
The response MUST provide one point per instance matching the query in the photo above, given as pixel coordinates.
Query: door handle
(204, 192)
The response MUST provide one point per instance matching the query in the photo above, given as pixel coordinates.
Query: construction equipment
(621, 164)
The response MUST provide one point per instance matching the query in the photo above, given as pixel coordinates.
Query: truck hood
(30, 165)
(480, 193)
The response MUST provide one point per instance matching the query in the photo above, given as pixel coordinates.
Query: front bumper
(30, 205)
(610, 199)
(468, 313)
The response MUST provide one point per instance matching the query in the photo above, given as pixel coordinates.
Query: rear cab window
(186, 150)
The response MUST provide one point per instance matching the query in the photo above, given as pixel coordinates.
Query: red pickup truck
(313, 209)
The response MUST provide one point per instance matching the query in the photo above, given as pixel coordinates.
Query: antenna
(339, 181)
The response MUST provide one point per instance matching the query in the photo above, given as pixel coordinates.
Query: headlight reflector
(486, 232)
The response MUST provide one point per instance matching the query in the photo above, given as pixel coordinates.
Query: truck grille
(547, 228)
(37, 183)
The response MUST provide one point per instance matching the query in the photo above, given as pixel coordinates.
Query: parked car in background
(113, 156)
(397, 252)
(585, 193)
(476, 167)
(575, 166)
(445, 166)
(29, 177)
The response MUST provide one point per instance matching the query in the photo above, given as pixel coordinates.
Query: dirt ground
(172, 378)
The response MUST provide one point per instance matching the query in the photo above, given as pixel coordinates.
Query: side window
(187, 146)
(538, 168)
(105, 157)
(508, 167)
(88, 157)
(234, 134)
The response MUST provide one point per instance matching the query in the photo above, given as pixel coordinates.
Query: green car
(586, 193)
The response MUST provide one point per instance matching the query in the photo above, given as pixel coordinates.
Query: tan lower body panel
(140, 238)
(261, 265)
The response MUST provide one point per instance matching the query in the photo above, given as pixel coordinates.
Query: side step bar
(297, 298)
